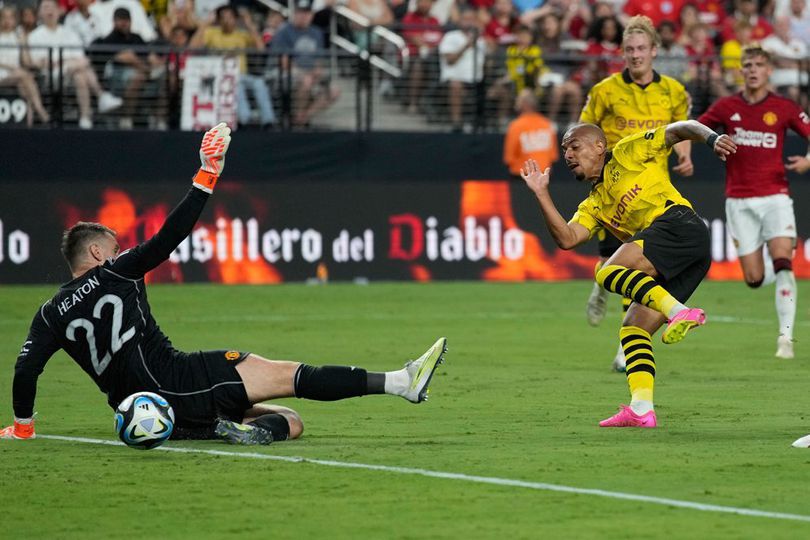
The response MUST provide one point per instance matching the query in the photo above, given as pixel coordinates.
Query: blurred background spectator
(462, 53)
(14, 58)
(746, 10)
(731, 53)
(45, 40)
(227, 36)
(422, 33)
(788, 53)
(302, 49)
(672, 58)
(530, 136)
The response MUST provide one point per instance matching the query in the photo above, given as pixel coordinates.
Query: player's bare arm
(684, 152)
(692, 130)
(799, 164)
(566, 235)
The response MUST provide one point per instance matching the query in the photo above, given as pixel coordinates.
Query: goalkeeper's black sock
(330, 383)
(275, 424)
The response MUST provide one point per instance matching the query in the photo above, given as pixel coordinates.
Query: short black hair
(76, 238)
(222, 9)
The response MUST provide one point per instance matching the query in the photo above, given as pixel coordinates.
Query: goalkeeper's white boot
(804, 442)
(597, 305)
(421, 370)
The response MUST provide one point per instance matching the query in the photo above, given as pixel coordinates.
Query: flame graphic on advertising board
(486, 199)
(480, 201)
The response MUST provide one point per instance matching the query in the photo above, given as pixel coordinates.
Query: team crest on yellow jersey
(770, 118)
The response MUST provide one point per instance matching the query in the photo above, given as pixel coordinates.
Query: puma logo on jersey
(736, 117)
(624, 202)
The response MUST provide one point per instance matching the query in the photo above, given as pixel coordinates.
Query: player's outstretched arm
(566, 235)
(38, 348)
(178, 225)
(692, 130)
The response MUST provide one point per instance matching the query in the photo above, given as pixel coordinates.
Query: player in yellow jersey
(625, 103)
(666, 251)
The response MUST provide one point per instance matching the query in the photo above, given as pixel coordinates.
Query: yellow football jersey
(621, 107)
(634, 188)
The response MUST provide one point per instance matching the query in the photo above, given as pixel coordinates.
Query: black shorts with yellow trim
(202, 386)
(678, 245)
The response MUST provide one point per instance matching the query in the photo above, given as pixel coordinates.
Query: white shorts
(752, 221)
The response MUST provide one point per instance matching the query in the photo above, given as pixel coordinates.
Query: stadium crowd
(465, 60)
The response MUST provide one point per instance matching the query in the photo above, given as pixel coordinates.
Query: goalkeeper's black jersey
(102, 319)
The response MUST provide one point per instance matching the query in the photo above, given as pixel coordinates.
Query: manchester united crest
(770, 118)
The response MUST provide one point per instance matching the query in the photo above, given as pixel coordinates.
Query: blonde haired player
(637, 99)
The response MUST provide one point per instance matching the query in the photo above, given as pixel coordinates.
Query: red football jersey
(758, 130)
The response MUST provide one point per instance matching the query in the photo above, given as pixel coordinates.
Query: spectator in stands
(75, 65)
(179, 15)
(731, 54)
(788, 53)
(500, 31)
(604, 45)
(82, 22)
(672, 57)
(226, 36)
(376, 11)
(132, 73)
(711, 13)
(689, 17)
(584, 14)
(656, 10)
(179, 39)
(530, 136)
(564, 10)
(301, 46)
(799, 20)
(273, 22)
(102, 11)
(28, 20)
(703, 78)
(13, 59)
(559, 80)
(462, 53)
(445, 11)
(746, 10)
(422, 33)
(524, 6)
(524, 64)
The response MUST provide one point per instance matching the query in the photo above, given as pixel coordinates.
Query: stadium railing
(360, 84)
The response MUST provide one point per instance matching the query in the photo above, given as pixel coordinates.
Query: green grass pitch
(525, 383)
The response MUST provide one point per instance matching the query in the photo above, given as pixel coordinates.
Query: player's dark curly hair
(76, 238)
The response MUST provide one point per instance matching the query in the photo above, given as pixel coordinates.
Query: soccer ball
(144, 420)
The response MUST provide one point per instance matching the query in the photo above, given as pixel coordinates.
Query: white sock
(620, 352)
(397, 382)
(786, 301)
(641, 407)
(769, 276)
(678, 307)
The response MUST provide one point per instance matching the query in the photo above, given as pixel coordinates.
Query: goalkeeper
(103, 321)
(666, 250)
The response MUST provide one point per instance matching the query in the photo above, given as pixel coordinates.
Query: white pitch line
(540, 486)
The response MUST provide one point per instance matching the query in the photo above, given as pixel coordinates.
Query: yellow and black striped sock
(626, 303)
(639, 287)
(638, 353)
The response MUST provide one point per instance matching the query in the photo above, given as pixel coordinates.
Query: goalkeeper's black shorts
(678, 245)
(201, 386)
